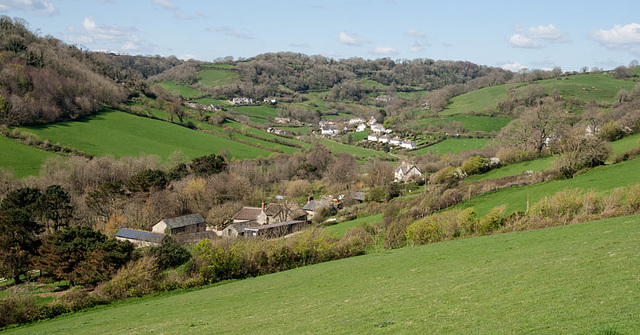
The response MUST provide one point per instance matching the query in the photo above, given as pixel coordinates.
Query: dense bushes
(228, 259)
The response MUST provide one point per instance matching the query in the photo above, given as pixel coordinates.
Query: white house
(377, 128)
(395, 141)
(384, 139)
(329, 131)
(361, 127)
(373, 137)
(406, 172)
(356, 121)
(243, 100)
(408, 145)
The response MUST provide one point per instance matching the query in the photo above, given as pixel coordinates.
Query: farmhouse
(238, 229)
(329, 131)
(408, 145)
(193, 223)
(384, 139)
(275, 229)
(247, 214)
(313, 207)
(395, 141)
(140, 238)
(377, 128)
(241, 101)
(361, 127)
(406, 172)
(373, 137)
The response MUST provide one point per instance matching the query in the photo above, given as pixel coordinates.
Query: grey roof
(274, 225)
(241, 226)
(183, 221)
(312, 205)
(140, 235)
(248, 213)
(405, 168)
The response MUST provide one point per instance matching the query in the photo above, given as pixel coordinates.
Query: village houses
(407, 172)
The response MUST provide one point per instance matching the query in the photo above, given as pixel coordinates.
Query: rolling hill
(578, 279)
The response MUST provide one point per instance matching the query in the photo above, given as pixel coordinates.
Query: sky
(516, 35)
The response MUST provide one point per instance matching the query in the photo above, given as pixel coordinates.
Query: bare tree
(535, 127)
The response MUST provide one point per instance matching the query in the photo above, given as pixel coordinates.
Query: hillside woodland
(57, 228)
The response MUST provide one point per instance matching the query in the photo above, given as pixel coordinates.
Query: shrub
(147, 180)
(17, 307)
(492, 221)
(632, 199)
(138, 278)
(611, 131)
(474, 165)
(467, 221)
(170, 254)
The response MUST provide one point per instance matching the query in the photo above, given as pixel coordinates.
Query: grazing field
(539, 164)
(339, 229)
(120, 134)
(21, 159)
(454, 146)
(483, 100)
(576, 279)
(211, 101)
(257, 114)
(471, 122)
(218, 77)
(182, 90)
(601, 179)
(625, 144)
(362, 153)
(369, 83)
(411, 95)
(587, 87)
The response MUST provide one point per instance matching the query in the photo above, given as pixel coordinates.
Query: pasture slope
(120, 134)
(576, 279)
(21, 159)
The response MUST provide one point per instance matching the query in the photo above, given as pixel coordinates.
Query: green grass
(257, 114)
(601, 179)
(625, 144)
(220, 66)
(410, 95)
(218, 77)
(471, 122)
(587, 87)
(339, 229)
(360, 135)
(576, 279)
(539, 164)
(337, 147)
(454, 146)
(312, 103)
(21, 159)
(211, 101)
(120, 134)
(483, 100)
(368, 83)
(182, 90)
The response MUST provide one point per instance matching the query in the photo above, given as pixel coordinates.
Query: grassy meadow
(215, 77)
(339, 229)
(121, 134)
(483, 100)
(576, 279)
(257, 114)
(454, 146)
(22, 160)
(587, 87)
(182, 90)
(362, 153)
(601, 179)
(471, 123)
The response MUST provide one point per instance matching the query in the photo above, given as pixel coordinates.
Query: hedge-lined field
(121, 134)
(21, 159)
(580, 278)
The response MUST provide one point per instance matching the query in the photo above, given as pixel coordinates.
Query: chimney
(263, 206)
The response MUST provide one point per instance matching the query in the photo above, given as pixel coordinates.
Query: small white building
(356, 121)
(361, 127)
(406, 172)
(377, 128)
(373, 137)
(329, 131)
(395, 141)
(408, 145)
(384, 139)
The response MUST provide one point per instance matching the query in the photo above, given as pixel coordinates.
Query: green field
(539, 164)
(576, 279)
(120, 134)
(182, 90)
(337, 147)
(411, 95)
(218, 77)
(339, 229)
(21, 159)
(210, 101)
(471, 122)
(483, 100)
(368, 83)
(625, 144)
(601, 179)
(587, 87)
(454, 146)
(257, 114)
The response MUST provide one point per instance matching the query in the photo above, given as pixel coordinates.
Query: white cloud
(415, 33)
(384, 51)
(118, 37)
(625, 37)
(237, 33)
(549, 32)
(351, 40)
(530, 38)
(417, 47)
(186, 57)
(515, 67)
(521, 41)
(177, 13)
(168, 5)
(36, 7)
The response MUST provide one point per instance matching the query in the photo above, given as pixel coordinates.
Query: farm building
(140, 238)
(270, 213)
(408, 145)
(193, 223)
(313, 207)
(275, 229)
(406, 172)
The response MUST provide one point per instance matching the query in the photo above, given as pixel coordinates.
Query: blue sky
(512, 34)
